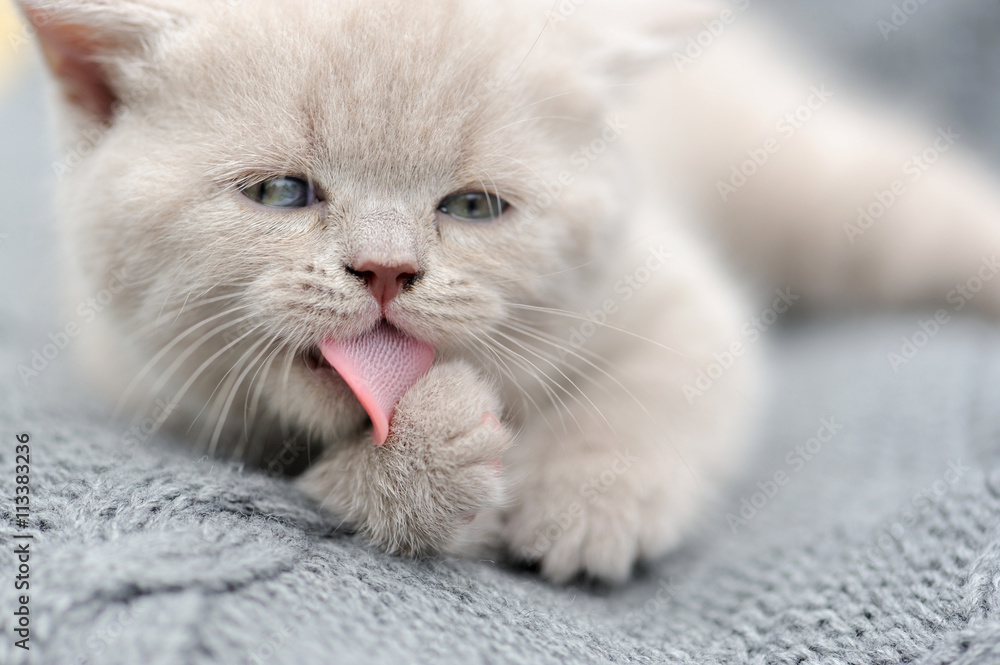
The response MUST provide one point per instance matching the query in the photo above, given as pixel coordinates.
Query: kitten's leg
(622, 471)
(418, 493)
(812, 188)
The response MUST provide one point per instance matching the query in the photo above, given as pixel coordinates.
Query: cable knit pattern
(882, 547)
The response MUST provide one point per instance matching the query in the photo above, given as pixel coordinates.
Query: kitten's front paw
(592, 517)
(419, 493)
(441, 464)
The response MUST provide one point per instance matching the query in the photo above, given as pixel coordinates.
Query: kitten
(445, 248)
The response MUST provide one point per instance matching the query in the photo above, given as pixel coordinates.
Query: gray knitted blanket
(867, 529)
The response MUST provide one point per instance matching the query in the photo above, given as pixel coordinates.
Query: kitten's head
(267, 175)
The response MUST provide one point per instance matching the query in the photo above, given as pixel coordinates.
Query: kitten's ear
(89, 44)
(636, 36)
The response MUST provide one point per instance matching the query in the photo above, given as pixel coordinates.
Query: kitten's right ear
(90, 44)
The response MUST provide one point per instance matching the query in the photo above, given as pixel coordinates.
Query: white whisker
(579, 317)
(563, 374)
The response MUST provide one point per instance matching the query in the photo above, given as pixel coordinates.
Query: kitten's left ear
(90, 44)
(636, 36)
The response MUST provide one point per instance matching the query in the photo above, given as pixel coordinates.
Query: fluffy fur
(581, 318)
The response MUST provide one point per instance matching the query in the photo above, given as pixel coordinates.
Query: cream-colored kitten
(307, 201)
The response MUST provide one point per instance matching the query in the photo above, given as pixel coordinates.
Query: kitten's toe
(567, 536)
(572, 527)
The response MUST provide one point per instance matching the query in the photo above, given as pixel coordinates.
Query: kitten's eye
(474, 206)
(282, 192)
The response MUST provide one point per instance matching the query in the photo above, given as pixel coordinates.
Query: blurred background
(943, 63)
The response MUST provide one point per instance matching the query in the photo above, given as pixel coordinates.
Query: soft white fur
(390, 106)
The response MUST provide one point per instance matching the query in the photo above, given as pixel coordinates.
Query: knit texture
(882, 545)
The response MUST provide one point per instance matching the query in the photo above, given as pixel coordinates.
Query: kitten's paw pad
(439, 465)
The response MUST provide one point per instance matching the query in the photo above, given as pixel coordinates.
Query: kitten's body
(588, 318)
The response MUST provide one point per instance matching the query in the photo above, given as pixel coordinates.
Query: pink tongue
(380, 366)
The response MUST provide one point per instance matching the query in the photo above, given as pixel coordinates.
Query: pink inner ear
(71, 52)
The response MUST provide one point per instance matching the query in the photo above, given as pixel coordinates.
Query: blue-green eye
(282, 192)
(474, 206)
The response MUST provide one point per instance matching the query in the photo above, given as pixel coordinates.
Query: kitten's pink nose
(385, 282)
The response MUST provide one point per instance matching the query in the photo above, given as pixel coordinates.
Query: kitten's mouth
(379, 367)
(314, 360)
